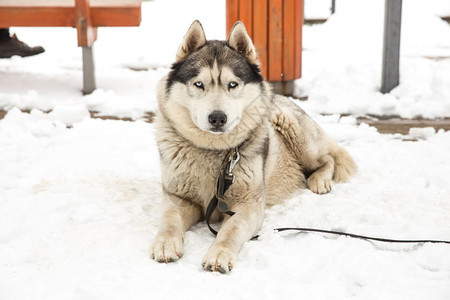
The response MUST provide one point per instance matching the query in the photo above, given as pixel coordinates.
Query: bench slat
(115, 16)
(37, 16)
(64, 16)
(37, 3)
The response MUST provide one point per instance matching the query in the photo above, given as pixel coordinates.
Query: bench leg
(88, 70)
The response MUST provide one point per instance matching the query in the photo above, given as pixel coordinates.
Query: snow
(342, 62)
(422, 133)
(80, 197)
(318, 9)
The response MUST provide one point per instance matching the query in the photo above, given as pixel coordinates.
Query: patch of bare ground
(384, 124)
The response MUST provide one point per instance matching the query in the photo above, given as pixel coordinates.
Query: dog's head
(217, 85)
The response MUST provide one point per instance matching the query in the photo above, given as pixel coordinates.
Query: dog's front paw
(319, 184)
(167, 248)
(220, 259)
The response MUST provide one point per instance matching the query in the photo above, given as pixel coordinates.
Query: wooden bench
(84, 15)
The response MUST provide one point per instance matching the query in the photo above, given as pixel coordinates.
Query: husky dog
(213, 105)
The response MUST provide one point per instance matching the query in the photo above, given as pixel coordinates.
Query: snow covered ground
(79, 197)
(342, 61)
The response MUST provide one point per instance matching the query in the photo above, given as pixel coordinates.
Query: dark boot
(15, 47)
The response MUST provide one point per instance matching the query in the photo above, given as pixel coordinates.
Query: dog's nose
(217, 118)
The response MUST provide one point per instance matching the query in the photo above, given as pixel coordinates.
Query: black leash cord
(226, 179)
(357, 236)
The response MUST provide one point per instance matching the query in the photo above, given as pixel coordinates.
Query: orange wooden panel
(37, 3)
(288, 40)
(115, 15)
(102, 14)
(37, 16)
(259, 37)
(298, 7)
(275, 43)
(232, 14)
(245, 14)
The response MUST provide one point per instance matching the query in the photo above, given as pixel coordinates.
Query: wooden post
(391, 45)
(86, 33)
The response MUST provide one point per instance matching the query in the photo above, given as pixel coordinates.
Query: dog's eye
(199, 84)
(232, 84)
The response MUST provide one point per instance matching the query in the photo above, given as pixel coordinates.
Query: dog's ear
(241, 41)
(194, 38)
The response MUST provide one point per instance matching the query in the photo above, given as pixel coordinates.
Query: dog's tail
(344, 165)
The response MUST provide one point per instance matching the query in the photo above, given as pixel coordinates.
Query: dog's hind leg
(320, 180)
(178, 217)
(337, 166)
(344, 165)
(311, 146)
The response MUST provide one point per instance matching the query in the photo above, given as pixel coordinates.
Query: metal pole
(333, 6)
(391, 45)
(88, 70)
